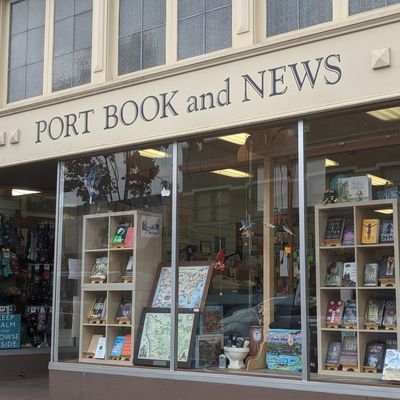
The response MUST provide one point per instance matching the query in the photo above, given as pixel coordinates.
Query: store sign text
(267, 83)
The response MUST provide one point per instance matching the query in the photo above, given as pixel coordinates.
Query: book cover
(350, 313)
(93, 344)
(374, 354)
(334, 312)
(354, 188)
(101, 348)
(125, 307)
(333, 353)
(348, 353)
(126, 348)
(374, 312)
(369, 231)
(371, 273)
(389, 314)
(129, 266)
(98, 308)
(100, 267)
(391, 365)
(349, 274)
(116, 350)
(120, 234)
(386, 270)
(348, 235)
(386, 232)
(334, 273)
(334, 230)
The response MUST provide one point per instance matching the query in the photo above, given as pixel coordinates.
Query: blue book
(117, 346)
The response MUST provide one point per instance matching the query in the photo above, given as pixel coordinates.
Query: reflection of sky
(165, 174)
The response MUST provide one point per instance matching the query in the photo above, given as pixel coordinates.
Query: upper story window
(203, 26)
(26, 49)
(72, 43)
(359, 6)
(141, 37)
(290, 15)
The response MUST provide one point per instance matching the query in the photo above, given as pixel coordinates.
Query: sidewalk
(36, 388)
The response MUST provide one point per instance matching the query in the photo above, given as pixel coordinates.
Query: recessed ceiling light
(378, 181)
(385, 211)
(232, 173)
(237, 138)
(330, 163)
(153, 153)
(23, 192)
(386, 114)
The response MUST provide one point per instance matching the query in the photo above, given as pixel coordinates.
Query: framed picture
(354, 188)
(194, 281)
(154, 338)
(150, 226)
(205, 247)
(207, 350)
(210, 319)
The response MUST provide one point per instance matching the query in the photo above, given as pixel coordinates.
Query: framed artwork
(207, 350)
(210, 319)
(194, 281)
(205, 247)
(150, 226)
(154, 339)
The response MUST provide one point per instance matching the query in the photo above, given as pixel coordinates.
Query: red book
(126, 348)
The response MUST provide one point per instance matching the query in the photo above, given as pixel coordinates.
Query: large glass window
(359, 6)
(72, 50)
(203, 26)
(353, 168)
(290, 15)
(26, 49)
(141, 39)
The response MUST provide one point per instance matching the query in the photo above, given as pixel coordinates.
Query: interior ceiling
(35, 176)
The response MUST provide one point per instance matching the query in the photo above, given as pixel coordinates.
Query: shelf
(361, 255)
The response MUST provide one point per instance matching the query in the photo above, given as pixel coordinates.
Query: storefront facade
(197, 200)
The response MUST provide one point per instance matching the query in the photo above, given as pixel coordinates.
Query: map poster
(154, 344)
(194, 281)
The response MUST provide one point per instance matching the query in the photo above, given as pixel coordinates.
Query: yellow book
(370, 231)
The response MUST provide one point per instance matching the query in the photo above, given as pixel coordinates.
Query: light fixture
(386, 114)
(237, 138)
(23, 192)
(153, 153)
(378, 181)
(385, 211)
(330, 163)
(232, 173)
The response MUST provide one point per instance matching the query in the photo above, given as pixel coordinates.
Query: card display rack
(361, 254)
(137, 257)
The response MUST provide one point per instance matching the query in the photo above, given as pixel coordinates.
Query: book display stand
(121, 255)
(369, 284)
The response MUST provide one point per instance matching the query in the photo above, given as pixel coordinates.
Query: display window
(353, 162)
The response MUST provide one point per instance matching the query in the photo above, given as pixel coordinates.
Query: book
(98, 309)
(129, 266)
(333, 353)
(386, 270)
(117, 346)
(126, 348)
(369, 231)
(386, 232)
(349, 274)
(389, 314)
(391, 365)
(124, 309)
(334, 312)
(334, 273)
(348, 235)
(354, 188)
(374, 312)
(374, 354)
(91, 350)
(371, 273)
(348, 352)
(101, 348)
(334, 231)
(100, 267)
(120, 234)
(350, 313)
